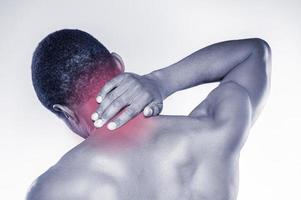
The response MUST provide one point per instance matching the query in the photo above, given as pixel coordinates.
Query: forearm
(209, 64)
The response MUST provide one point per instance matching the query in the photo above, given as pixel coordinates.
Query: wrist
(158, 79)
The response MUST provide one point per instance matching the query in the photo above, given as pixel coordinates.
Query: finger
(110, 112)
(109, 86)
(129, 113)
(157, 108)
(148, 111)
(152, 109)
(109, 99)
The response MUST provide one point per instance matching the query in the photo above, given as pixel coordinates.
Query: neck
(135, 132)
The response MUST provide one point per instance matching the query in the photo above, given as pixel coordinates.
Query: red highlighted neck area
(85, 90)
(133, 133)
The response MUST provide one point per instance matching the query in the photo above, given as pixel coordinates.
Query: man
(128, 155)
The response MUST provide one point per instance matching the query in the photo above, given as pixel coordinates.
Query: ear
(67, 112)
(118, 60)
(71, 120)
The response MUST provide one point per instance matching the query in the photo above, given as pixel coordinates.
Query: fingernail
(112, 125)
(147, 111)
(98, 123)
(94, 116)
(99, 99)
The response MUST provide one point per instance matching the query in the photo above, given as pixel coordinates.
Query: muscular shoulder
(230, 102)
(45, 186)
(228, 110)
(72, 179)
(226, 103)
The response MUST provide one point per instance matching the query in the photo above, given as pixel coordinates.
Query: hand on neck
(134, 132)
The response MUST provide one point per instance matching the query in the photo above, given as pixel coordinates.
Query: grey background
(150, 35)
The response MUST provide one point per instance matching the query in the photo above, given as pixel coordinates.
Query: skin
(165, 157)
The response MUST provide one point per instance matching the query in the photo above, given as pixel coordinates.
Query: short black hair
(65, 64)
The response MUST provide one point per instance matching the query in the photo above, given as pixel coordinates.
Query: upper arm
(253, 74)
(248, 79)
(233, 106)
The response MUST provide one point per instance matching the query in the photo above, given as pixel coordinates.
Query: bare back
(180, 157)
(176, 161)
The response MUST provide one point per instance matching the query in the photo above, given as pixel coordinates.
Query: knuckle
(111, 97)
(103, 92)
(105, 88)
(105, 115)
(108, 113)
(99, 110)
(105, 103)
(119, 121)
(117, 103)
(131, 111)
(123, 100)
(147, 95)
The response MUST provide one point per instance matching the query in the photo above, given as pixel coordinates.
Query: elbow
(215, 195)
(263, 54)
(262, 49)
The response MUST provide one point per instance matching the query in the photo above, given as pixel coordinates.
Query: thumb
(153, 109)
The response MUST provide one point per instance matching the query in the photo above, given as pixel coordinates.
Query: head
(69, 67)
